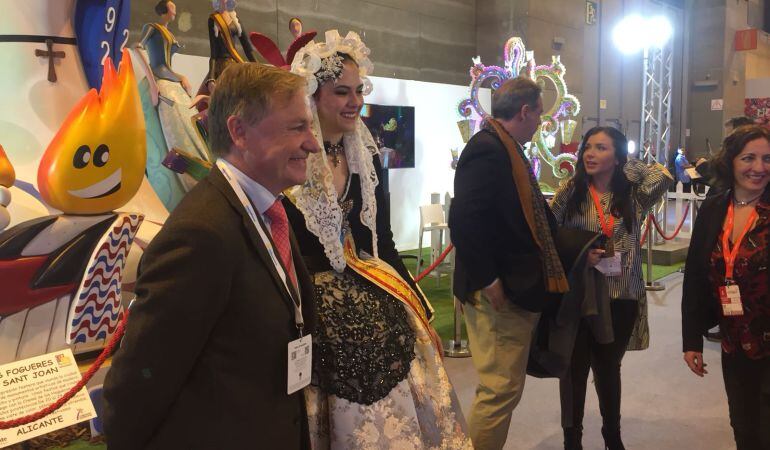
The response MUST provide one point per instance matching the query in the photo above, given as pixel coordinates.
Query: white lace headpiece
(317, 198)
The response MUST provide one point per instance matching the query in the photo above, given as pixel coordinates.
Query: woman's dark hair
(161, 7)
(739, 121)
(731, 147)
(622, 205)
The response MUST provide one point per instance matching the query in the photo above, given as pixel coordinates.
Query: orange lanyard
(608, 225)
(730, 255)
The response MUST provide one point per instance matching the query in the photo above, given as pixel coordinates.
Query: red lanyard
(608, 225)
(727, 230)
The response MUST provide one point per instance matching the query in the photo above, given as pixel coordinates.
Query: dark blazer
(551, 351)
(203, 364)
(700, 308)
(489, 229)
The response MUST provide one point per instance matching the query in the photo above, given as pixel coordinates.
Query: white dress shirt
(260, 197)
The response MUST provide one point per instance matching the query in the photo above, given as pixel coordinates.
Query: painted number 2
(106, 47)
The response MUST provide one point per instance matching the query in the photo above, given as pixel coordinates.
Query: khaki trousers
(499, 342)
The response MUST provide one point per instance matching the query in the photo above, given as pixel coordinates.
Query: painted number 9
(111, 15)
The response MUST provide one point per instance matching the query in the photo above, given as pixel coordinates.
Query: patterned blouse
(751, 331)
(649, 185)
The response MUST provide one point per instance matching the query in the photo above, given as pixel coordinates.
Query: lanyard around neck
(608, 225)
(298, 319)
(730, 255)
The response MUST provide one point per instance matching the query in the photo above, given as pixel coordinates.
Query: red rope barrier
(644, 233)
(678, 228)
(438, 261)
(4, 425)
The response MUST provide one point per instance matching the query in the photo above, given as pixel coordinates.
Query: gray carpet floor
(665, 406)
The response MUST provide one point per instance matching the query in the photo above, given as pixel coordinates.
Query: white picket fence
(680, 200)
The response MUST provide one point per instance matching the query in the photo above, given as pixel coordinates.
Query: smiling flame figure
(96, 161)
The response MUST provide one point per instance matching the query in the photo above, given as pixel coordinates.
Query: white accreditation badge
(300, 363)
(610, 266)
(730, 298)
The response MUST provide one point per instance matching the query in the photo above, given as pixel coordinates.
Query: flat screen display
(392, 128)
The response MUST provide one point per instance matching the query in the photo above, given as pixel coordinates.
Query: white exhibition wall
(758, 88)
(436, 133)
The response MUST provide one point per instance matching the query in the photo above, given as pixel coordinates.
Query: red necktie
(279, 228)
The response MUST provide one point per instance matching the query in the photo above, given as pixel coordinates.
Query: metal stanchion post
(456, 347)
(651, 285)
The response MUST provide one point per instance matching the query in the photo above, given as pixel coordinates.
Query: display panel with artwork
(759, 110)
(392, 128)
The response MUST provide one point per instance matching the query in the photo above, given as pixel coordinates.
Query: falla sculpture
(62, 274)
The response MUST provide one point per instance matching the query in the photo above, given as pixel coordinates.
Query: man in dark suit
(223, 292)
(500, 274)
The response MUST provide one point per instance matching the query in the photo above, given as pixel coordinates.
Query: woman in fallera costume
(378, 378)
(173, 88)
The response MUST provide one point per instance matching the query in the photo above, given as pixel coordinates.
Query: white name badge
(611, 266)
(730, 297)
(300, 363)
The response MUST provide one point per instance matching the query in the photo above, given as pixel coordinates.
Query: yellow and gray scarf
(530, 197)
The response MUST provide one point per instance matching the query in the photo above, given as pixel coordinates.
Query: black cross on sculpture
(50, 54)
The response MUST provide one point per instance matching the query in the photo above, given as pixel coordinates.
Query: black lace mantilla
(363, 344)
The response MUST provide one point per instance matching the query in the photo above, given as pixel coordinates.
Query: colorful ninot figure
(62, 275)
(95, 163)
(168, 109)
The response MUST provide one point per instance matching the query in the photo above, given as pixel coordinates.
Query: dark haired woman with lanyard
(609, 194)
(727, 282)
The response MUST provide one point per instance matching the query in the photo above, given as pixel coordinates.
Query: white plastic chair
(431, 219)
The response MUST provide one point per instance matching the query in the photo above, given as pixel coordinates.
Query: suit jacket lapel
(715, 225)
(304, 282)
(217, 179)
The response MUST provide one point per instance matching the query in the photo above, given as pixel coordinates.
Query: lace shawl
(317, 198)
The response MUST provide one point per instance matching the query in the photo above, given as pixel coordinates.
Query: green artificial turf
(85, 445)
(438, 293)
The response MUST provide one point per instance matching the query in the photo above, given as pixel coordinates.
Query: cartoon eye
(82, 156)
(101, 155)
